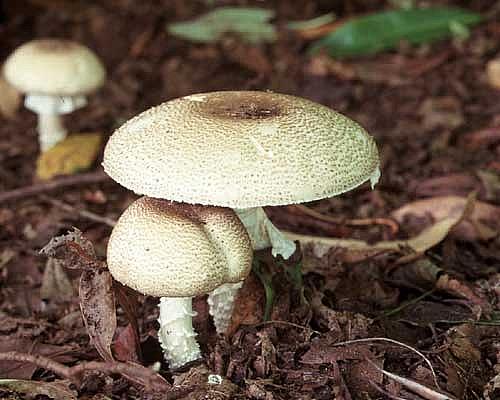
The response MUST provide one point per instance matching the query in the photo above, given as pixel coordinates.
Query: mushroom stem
(263, 233)
(221, 305)
(176, 334)
(50, 130)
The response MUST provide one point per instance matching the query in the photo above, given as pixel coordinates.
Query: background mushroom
(243, 150)
(56, 75)
(176, 251)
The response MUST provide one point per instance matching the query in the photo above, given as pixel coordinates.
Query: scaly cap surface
(241, 149)
(166, 249)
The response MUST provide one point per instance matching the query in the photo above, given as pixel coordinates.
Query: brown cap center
(249, 105)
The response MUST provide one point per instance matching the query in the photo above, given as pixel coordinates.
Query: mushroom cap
(166, 249)
(241, 149)
(54, 67)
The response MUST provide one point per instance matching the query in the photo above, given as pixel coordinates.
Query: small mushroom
(176, 251)
(244, 150)
(56, 75)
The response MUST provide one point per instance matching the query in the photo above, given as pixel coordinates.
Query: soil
(436, 121)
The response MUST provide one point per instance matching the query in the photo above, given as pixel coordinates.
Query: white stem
(176, 334)
(263, 233)
(50, 130)
(221, 305)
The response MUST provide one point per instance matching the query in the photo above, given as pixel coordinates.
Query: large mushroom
(56, 75)
(176, 251)
(244, 150)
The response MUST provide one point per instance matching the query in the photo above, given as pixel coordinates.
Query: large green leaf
(251, 24)
(382, 31)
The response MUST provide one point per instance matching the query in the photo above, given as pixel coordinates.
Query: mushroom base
(263, 233)
(176, 335)
(221, 305)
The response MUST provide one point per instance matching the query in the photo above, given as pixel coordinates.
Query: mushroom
(177, 251)
(56, 75)
(244, 150)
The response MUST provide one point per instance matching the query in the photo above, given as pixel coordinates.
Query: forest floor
(436, 121)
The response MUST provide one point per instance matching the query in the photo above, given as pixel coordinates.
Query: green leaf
(383, 31)
(267, 281)
(251, 24)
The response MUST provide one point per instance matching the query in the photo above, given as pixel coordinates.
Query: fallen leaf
(58, 390)
(460, 184)
(251, 24)
(22, 370)
(483, 222)
(125, 344)
(55, 282)
(127, 299)
(373, 33)
(461, 343)
(74, 249)
(353, 250)
(493, 72)
(97, 300)
(361, 250)
(74, 154)
(97, 303)
(249, 305)
(462, 290)
(491, 184)
(10, 98)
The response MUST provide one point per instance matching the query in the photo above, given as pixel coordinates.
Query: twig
(73, 180)
(415, 387)
(383, 391)
(82, 213)
(392, 225)
(379, 339)
(133, 372)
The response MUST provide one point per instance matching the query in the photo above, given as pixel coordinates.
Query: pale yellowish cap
(166, 249)
(54, 67)
(241, 149)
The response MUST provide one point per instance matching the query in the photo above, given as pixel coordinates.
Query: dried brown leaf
(23, 370)
(472, 227)
(55, 283)
(462, 290)
(58, 390)
(75, 251)
(125, 347)
(459, 184)
(127, 299)
(249, 305)
(10, 98)
(97, 303)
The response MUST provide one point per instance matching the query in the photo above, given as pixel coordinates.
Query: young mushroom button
(56, 75)
(176, 251)
(244, 150)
